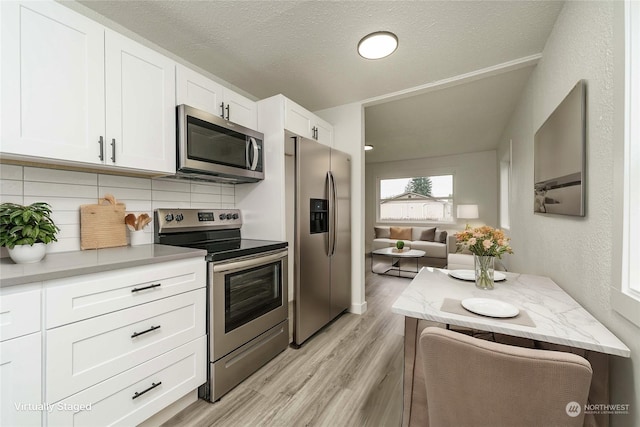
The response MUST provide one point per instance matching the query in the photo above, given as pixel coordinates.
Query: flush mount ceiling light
(377, 45)
(368, 147)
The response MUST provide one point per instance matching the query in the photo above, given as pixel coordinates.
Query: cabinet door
(323, 132)
(77, 298)
(19, 313)
(85, 353)
(140, 103)
(133, 396)
(297, 119)
(240, 110)
(52, 82)
(21, 381)
(197, 91)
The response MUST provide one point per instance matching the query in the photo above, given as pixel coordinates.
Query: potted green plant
(25, 230)
(400, 245)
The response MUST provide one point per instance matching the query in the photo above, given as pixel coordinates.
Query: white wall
(475, 182)
(66, 190)
(576, 252)
(348, 126)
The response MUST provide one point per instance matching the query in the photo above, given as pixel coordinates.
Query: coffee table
(396, 256)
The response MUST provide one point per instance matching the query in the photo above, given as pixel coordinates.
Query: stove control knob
(222, 216)
(229, 216)
(236, 216)
(179, 217)
(168, 217)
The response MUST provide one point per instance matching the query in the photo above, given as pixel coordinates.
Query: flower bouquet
(485, 243)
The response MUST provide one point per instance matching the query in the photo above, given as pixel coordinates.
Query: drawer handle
(137, 334)
(153, 385)
(155, 285)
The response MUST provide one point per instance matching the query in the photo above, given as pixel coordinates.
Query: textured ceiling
(306, 50)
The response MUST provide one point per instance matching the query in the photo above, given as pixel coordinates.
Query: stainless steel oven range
(247, 304)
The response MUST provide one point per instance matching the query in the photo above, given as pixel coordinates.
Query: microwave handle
(252, 161)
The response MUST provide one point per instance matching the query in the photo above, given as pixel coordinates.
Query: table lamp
(468, 212)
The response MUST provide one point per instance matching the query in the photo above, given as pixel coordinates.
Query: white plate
(490, 307)
(470, 275)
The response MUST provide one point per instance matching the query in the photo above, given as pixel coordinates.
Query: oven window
(251, 293)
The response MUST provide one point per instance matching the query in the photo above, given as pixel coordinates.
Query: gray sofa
(437, 244)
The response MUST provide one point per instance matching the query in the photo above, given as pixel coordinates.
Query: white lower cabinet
(84, 353)
(77, 298)
(124, 344)
(21, 381)
(134, 395)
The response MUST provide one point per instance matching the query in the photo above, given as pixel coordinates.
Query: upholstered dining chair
(473, 382)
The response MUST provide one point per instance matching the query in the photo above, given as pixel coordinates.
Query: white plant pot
(26, 254)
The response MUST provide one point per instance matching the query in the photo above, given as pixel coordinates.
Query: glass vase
(484, 266)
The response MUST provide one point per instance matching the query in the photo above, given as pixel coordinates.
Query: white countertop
(67, 264)
(558, 318)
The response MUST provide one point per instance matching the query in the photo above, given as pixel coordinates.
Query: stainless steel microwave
(212, 148)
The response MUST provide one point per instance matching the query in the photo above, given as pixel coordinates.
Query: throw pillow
(382, 232)
(441, 236)
(401, 233)
(428, 235)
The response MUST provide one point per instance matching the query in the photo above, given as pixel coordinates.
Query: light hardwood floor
(349, 374)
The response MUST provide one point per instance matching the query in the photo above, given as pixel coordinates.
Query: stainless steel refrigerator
(322, 265)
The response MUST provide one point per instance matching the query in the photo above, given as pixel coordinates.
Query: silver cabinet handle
(113, 150)
(101, 154)
(222, 110)
(227, 108)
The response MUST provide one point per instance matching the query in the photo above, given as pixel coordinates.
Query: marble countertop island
(558, 318)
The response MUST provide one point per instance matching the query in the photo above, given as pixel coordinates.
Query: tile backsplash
(65, 191)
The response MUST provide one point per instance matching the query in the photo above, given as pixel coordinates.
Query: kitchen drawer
(21, 381)
(19, 313)
(84, 353)
(112, 402)
(72, 299)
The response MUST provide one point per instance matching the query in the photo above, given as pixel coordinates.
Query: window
(416, 199)
(625, 291)
(505, 185)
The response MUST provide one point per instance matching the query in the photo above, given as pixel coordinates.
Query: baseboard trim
(358, 308)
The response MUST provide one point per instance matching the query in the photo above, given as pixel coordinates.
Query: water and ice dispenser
(319, 216)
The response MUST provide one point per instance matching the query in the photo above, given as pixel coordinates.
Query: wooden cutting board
(102, 225)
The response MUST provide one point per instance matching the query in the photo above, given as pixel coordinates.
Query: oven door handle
(248, 263)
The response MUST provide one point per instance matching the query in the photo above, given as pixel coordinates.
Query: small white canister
(138, 237)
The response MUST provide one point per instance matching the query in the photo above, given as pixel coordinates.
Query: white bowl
(26, 254)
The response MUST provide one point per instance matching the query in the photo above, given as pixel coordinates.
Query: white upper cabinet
(197, 91)
(240, 110)
(301, 121)
(200, 92)
(52, 82)
(140, 100)
(59, 103)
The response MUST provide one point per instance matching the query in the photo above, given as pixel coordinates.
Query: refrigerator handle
(334, 213)
(329, 242)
